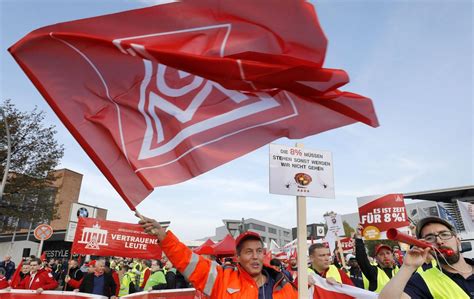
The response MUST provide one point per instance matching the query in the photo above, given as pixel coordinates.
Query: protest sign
(112, 238)
(378, 213)
(347, 244)
(335, 225)
(301, 172)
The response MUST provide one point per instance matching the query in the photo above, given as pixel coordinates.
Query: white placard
(70, 232)
(301, 172)
(335, 225)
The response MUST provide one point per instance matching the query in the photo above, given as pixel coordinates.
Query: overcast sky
(413, 58)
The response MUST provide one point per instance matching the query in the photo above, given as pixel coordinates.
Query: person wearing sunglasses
(453, 277)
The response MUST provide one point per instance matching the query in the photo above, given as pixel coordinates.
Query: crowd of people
(111, 277)
(419, 273)
(422, 273)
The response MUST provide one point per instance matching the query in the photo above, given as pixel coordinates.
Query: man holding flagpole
(250, 280)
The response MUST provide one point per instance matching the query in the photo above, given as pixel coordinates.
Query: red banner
(168, 294)
(29, 294)
(159, 95)
(165, 294)
(112, 238)
(379, 213)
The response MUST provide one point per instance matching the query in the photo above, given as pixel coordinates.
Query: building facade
(266, 230)
(22, 243)
(314, 231)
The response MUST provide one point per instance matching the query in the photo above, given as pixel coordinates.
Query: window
(257, 227)
(272, 230)
(286, 234)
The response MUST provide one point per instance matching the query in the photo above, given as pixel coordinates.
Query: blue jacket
(9, 268)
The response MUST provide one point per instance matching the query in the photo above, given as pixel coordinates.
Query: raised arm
(413, 259)
(361, 256)
(201, 272)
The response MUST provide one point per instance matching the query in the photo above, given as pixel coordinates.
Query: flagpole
(153, 231)
(302, 245)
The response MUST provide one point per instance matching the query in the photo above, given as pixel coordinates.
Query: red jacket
(214, 280)
(43, 279)
(3, 283)
(76, 284)
(116, 278)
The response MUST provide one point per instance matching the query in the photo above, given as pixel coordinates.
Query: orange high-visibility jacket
(215, 281)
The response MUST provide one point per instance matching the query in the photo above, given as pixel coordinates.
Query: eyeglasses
(446, 235)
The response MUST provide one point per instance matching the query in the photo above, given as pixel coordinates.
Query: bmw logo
(82, 212)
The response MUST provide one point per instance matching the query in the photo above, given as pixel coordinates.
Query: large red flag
(159, 95)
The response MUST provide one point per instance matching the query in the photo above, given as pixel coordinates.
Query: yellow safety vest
(142, 275)
(365, 281)
(332, 272)
(125, 284)
(434, 264)
(136, 266)
(441, 286)
(383, 279)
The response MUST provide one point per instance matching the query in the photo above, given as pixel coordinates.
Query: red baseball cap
(248, 235)
(382, 246)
